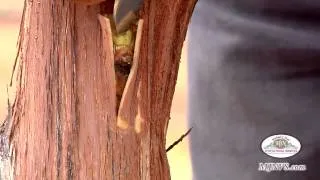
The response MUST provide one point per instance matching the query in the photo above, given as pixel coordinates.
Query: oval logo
(280, 146)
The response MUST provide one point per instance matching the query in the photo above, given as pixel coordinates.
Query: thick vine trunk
(64, 123)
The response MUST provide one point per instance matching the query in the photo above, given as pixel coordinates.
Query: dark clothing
(254, 71)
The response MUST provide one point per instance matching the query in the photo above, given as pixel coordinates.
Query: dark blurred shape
(254, 71)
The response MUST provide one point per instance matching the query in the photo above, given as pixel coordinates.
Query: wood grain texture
(128, 105)
(165, 27)
(88, 2)
(65, 125)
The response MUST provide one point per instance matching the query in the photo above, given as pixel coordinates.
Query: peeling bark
(64, 120)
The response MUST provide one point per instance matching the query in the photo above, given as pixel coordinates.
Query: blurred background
(180, 166)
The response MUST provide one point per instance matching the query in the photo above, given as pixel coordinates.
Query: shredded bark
(64, 123)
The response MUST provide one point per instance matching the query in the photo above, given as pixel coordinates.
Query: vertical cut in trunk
(64, 122)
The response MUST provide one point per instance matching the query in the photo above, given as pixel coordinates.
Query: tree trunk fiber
(64, 122)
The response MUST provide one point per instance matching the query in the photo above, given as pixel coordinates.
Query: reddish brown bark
(64, 124)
